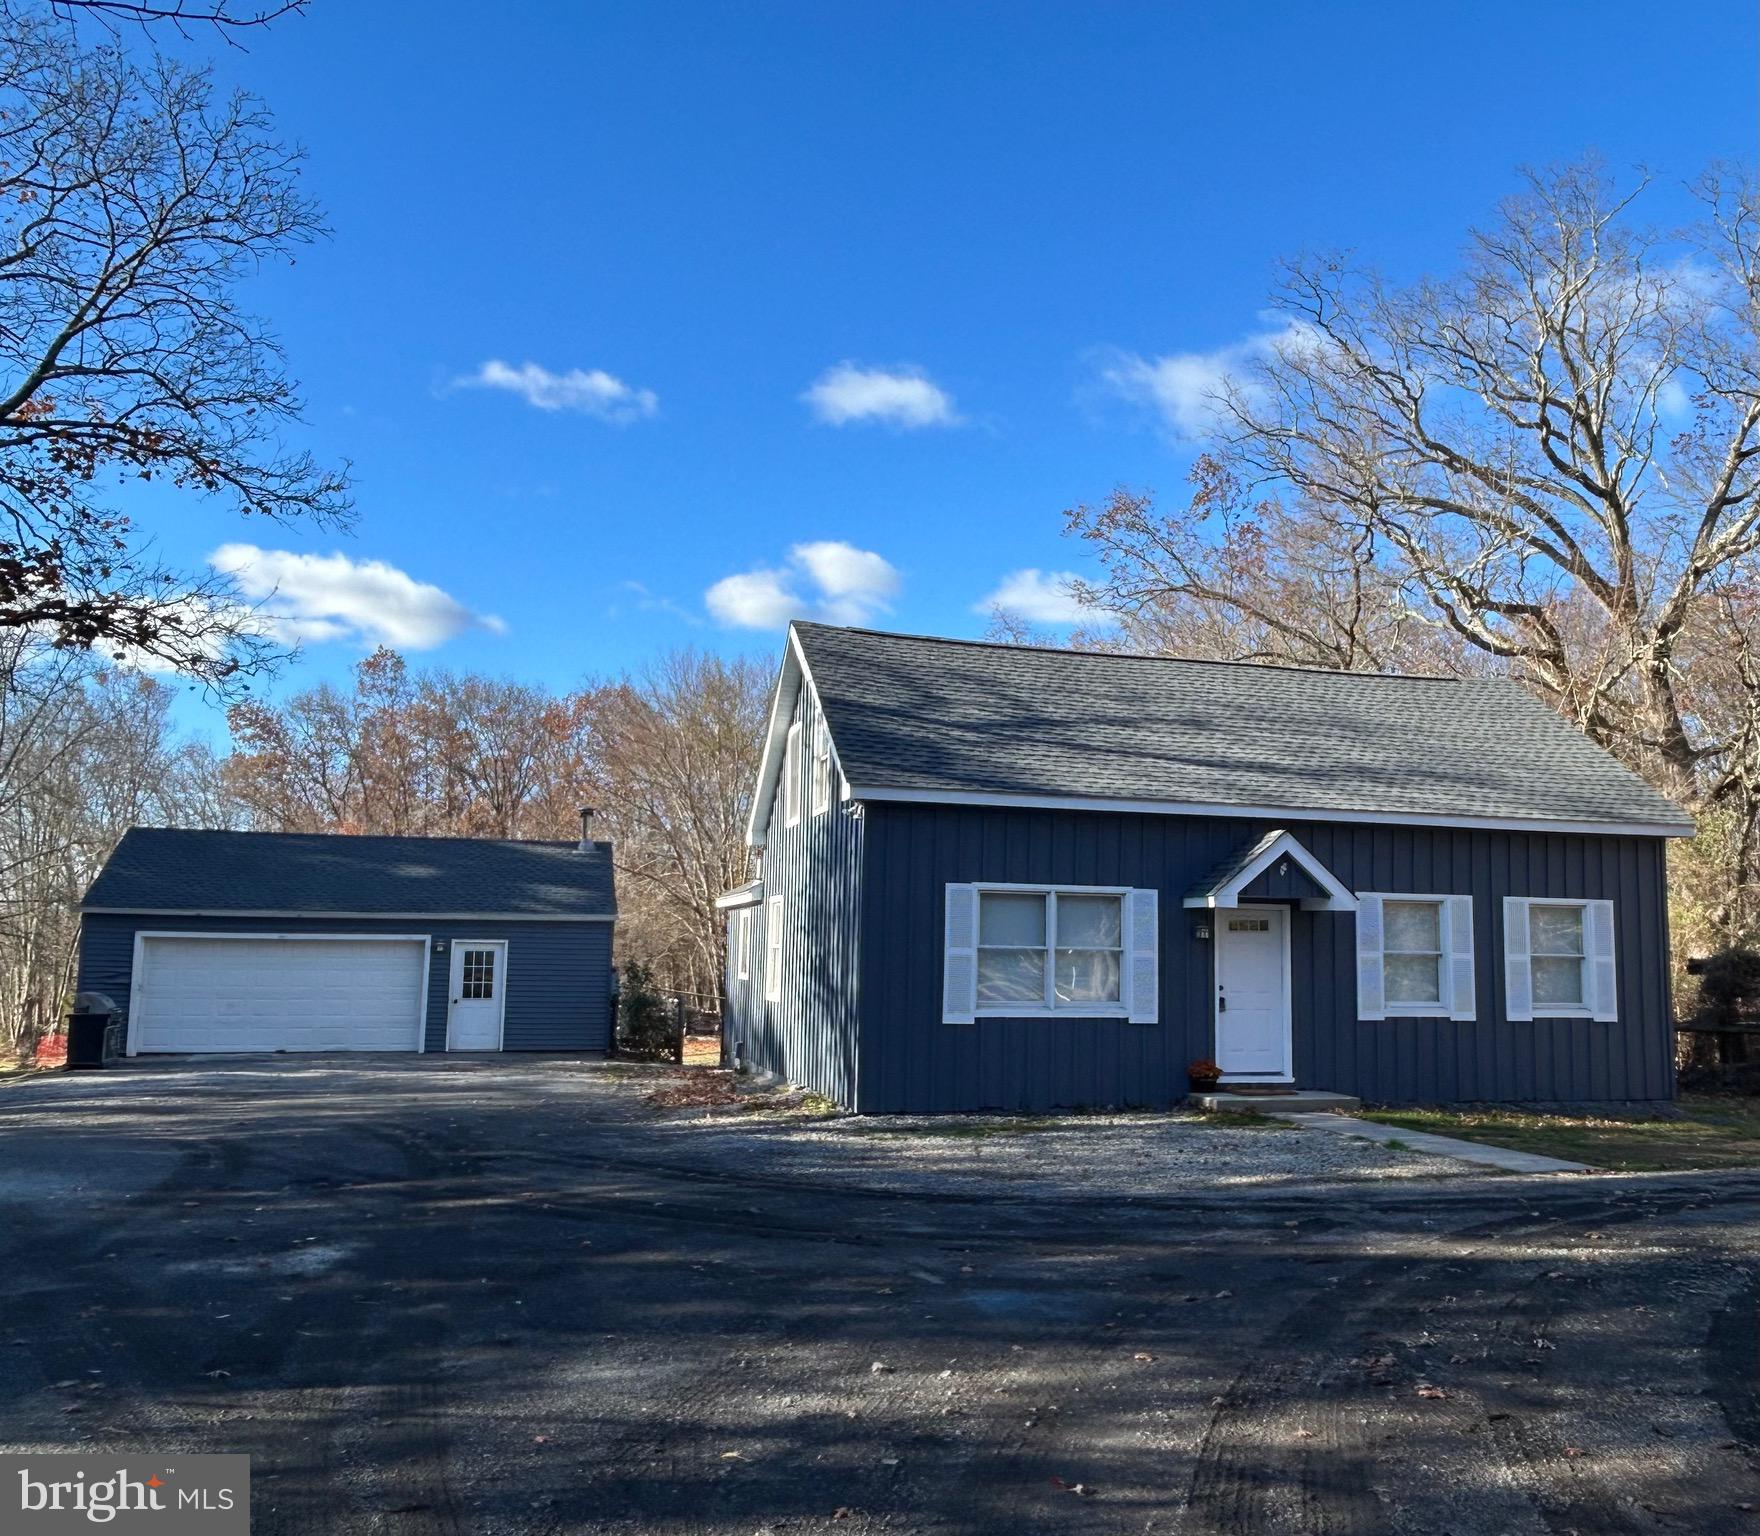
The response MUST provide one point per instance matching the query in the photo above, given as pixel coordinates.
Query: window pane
(1412, 979)
(1555, 930)
(1558, 983)
(1413, 926)
(1090, 922)
(1007, 919)
(1086, 975)
(1011, 976)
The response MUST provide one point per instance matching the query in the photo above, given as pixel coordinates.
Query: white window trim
(821, 770)
(1415, 1007)
(773, 949)
(1600, 1003)
(1049, 1008)
(1584, 1009)
(791, 778)
(1459, 1009)
(743, 945)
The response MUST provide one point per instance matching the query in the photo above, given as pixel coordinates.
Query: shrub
(646, 1028)
(1728, 990)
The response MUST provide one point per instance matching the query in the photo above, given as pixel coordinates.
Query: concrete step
(1274, 1102)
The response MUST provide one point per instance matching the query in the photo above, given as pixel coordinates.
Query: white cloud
(315, 599)
(855, 583)
(1182, 387)
(753, 600)
(591, 391)
(828, 580)
(903, 397)
(1042, 597)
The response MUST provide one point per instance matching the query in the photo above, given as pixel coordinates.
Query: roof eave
(1682, 826)
(751, 894)
(794, 673)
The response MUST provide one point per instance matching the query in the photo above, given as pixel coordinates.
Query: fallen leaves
(695, 1089)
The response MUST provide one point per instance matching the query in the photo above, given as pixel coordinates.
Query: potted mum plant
(1204, 1075)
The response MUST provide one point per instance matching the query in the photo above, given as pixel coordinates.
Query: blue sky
(648, 231)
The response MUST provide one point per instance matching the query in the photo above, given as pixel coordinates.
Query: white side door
(478, 995)
(1252, 993)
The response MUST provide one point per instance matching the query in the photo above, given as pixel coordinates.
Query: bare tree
(223, 16)
(1549, 460)
(1504, 433)
(133, 201)
(674, 754)
(1248, 579)
(84, 755)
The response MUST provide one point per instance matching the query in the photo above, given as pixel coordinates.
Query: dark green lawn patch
(1709, 1132)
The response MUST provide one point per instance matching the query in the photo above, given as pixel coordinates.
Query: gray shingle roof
(158, 869)
(909, 712)
(1234, 864)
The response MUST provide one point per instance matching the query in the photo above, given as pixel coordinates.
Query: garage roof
(172, 870)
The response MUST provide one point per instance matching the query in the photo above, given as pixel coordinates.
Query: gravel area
(1095, 1156)
(430, 1297)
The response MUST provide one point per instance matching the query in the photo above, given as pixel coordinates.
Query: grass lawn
(1712, 1132)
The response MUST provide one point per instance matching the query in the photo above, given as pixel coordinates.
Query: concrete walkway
(1508, 1160)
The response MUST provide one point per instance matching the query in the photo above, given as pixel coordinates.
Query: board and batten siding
(558, 983)
(912, 1062)
(807, 1035)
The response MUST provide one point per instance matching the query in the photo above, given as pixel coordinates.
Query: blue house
(288, 942)
(1005, 877)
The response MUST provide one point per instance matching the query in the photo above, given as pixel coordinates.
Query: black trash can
(87, 1025)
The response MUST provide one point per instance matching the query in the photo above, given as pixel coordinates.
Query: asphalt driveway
(491, 1297)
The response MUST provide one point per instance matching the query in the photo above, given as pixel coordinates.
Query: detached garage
(267, 942)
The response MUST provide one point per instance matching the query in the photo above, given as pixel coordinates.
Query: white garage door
(278, 995)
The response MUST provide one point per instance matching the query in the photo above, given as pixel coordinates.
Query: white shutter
(959, 962)
(1518, 976)
(1371, 992)
(1603, 975)
(1143, 932)
(1460, 957)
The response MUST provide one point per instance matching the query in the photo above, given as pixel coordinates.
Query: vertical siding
(558, 982)
(910, 1061)
(808, 1034)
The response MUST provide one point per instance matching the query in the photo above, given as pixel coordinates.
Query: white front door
(1252, 993)
(479, 985)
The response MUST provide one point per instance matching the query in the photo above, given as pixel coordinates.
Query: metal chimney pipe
(586, 829)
